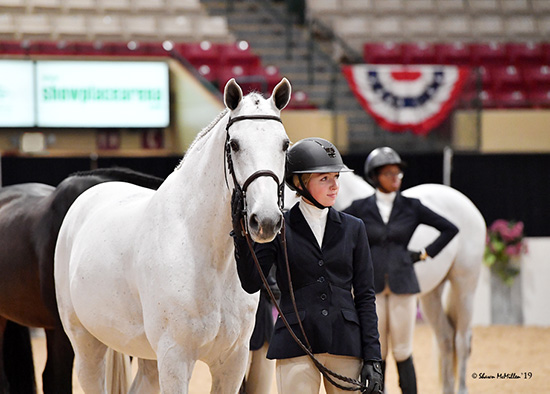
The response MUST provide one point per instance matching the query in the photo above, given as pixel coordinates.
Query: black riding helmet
(308, 156)
(380, 157)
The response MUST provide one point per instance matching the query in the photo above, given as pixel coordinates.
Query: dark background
(502, 186)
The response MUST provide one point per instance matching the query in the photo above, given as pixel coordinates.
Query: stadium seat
(505, 77)
(454, 53)
(176, 27)
(103, 27)
(524, 53)
(198, 53)
(514, 7)
(7, 26)
(69, 27)
(88, 6)
(114, 6)
(455, 27)
(422, 27)
(187, 7)
(13, 5)
(388, 27)
(382, 53)
(539, 97)
(59, 48)
(488, 53)
(213, 28)
(11, 48)
(484, 6)
(521, 27)
(43, 5)
(141, 27)
(536, 76)
(488, 26)
(447, 7)
(418, 53)
(148, 6)
(238, 54)
(300, 100)
(35, 26)
(510, 99)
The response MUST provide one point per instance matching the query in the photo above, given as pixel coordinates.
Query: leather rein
(327, 373)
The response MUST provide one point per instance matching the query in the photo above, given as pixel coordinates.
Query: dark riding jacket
(389, 242)
(332, 285)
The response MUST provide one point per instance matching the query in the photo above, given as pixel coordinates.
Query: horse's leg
(89, 360)
(57, 377)
(147, 378)
(175, 365)
(228, 371)
(460, 308)
(16, 361)
(444, 332)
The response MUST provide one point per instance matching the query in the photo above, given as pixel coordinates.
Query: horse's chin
(262, 237)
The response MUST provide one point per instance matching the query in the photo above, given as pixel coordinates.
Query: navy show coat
(332, 285)
(388, 242)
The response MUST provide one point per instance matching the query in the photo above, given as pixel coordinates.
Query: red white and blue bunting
(407, 97)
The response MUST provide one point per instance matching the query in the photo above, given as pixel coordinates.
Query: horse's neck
(196, 192)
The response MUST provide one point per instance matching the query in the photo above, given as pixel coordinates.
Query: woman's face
(389, 178)
(324, 188)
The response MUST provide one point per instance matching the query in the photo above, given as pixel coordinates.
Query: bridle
(327, 373)
(241, 190)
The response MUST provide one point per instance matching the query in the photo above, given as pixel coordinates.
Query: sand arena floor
(523, 351)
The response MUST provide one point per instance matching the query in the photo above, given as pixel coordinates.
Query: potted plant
(503, 247)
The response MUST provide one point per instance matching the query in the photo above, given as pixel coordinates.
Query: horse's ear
(281, 94)
(232, 94)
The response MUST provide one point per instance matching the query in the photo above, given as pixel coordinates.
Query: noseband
(241, 190)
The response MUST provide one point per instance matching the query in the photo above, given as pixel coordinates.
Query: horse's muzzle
(266, 229)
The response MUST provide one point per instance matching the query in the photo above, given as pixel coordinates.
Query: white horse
(152, 274)
(447, 282)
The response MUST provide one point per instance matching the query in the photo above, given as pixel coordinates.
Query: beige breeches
(300, 375)
(396, 318)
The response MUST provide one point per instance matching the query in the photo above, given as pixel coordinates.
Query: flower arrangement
(503, 246)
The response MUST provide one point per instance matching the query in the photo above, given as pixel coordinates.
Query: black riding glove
(415, 256)
(237, 216)
(372, 373)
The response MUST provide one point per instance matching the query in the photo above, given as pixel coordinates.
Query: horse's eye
(234, 145)
(286, 144)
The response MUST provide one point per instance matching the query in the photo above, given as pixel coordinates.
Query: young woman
(391, 220)
(331, 273)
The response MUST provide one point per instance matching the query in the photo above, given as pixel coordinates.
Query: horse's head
(256, 146)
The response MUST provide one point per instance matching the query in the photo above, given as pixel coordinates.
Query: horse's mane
(202, 134)
(123, 174)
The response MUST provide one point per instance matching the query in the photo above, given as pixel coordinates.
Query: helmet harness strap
(305, 193)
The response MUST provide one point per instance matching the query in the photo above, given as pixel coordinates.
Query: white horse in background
(447, 282)
(151, 274)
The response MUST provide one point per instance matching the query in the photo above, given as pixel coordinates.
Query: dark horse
(30, 217)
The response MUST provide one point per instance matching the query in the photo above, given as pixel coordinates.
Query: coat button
(321, 263)
(323, 296)
(324, 312)
(321, 279)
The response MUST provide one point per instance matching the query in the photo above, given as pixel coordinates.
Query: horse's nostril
(254, 223)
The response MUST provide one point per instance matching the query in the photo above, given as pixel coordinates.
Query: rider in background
(391, 219)
(331, 274)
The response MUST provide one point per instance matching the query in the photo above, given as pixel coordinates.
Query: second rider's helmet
(380, 157)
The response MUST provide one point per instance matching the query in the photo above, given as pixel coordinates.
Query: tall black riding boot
(407, 376)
